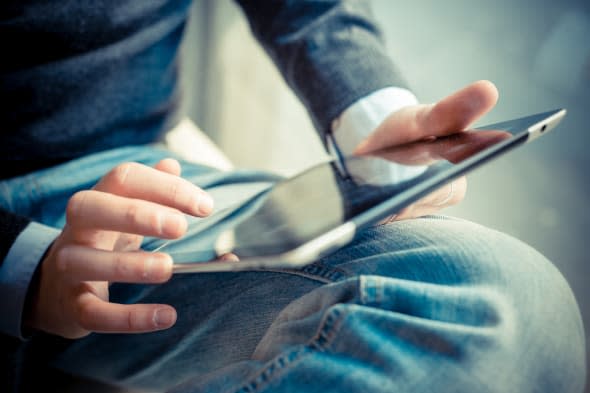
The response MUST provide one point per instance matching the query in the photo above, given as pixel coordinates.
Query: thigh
(431, 304)
(422, 305)
(221, 319)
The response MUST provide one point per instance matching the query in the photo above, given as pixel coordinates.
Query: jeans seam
(328, 329)
(316, 271)
(371, 292)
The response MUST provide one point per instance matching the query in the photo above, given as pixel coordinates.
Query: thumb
(169, 165)
(452, 114)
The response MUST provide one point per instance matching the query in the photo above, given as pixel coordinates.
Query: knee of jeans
(545, 338)
(548, 335)
(549, 331)
(484, 337)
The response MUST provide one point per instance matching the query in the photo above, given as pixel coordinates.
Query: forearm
(11, 225)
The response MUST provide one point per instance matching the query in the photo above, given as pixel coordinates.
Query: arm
(329, 52)
(382, 129)
(11, 225)
(332, 56)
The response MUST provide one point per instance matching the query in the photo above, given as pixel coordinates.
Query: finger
(448, 195)
(388, 219)
(406, 213)
(416, 153)
(452, 114)
(98, 210)
(139, 181)
(457, 111)
(127, 242)
(228, 257)
(169, 165)
(80, 263)
(97, 315)
(455, 148)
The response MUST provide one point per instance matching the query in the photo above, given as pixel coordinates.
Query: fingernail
(173, 224)
(164, 317)
(205, 204)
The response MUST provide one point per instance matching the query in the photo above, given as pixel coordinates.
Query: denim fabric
(426, 305)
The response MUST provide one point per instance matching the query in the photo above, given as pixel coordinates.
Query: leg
(422, 305)
(429, 305)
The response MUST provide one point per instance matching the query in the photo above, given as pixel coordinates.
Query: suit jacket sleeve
(11, 226)
(330, 52)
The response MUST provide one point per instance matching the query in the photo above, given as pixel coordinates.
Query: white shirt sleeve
(361, 118)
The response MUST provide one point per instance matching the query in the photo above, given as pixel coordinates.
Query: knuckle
(133, 320)
(154, 219)
(128, 242)
(75, 205)
(120, 267)
(175, 191)
(128, 269)
(85, 316)
(117, 178)
(132, 214)
(181, 195)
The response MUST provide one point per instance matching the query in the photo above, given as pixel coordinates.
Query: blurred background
(537, 52)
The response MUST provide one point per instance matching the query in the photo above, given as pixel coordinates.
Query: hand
(454, 148)
(448, 116)
(100, 244)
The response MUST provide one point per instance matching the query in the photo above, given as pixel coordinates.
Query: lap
(420, 305)
(405, 307)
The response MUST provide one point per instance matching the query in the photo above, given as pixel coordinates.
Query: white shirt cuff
(17, 272)
(360, 119)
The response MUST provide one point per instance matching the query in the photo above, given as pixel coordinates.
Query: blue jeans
(433, 304)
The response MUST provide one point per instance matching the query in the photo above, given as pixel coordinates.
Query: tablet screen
(365, 189)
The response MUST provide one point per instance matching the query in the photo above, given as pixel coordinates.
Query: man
(422, 304)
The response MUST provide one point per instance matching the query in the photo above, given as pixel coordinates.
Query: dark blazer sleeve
(11, 226)
(330, 52)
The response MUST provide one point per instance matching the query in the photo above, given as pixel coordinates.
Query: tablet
(312, 214)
